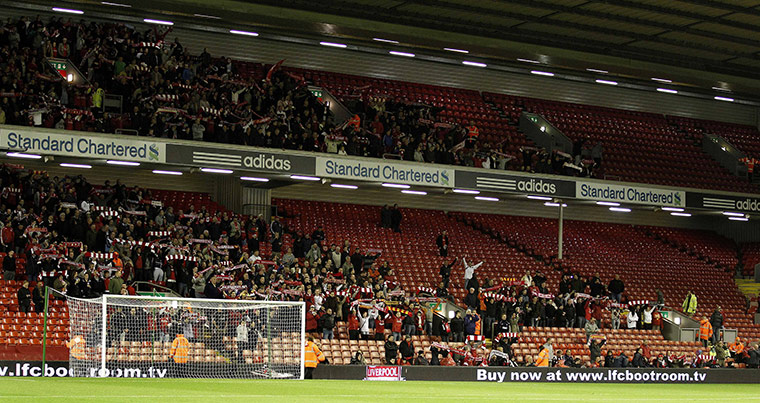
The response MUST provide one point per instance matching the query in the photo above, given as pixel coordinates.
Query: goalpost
(164, 337)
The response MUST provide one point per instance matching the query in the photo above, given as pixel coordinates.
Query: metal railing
(267, 210)
(153, 287)
(725, 153)
(131, 132)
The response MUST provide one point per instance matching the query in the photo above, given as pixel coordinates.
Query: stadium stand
(412, 253)
(172, 94)
(633, 140)
(166, 91)
(750, 257)
(606, 249)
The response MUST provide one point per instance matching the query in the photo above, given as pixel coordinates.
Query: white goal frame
(104, 301)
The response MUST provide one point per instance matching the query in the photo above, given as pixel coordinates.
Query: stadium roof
(719, 36)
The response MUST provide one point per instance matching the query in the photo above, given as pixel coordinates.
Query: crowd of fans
(166, 91)
(85, 240)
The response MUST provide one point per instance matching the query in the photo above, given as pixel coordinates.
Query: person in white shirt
(632, 319)
(469, 270)
(527, 279)
(364, 325)
(318, 299)
(646, 317)
(242, 337)
(373, 314)
(254, 258)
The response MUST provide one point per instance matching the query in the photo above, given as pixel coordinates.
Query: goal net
(155, 337)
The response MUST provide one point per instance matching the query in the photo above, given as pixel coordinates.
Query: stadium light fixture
(542, 73)
(608, 204)
(159, 22)
(67, 165)
(455, 50)
(598, 71)
(414, 192)
(341, 186)
(123, 163)
(733, 214)
(395, 185)
(466, 191)
(531, 61)
(246, 33)
(474, 64)
(606, 82)
(534, 197)
(620, 209)
(305, 178)
(216, 171)
(661, 80)
(253, 179)
(667, 91)
(23, 155)
(553, 204)
(164, 172)
(675, 209)
(680, 214)
(404, 54)
(334, 45)
(67, 10)
(738, 218)
(211, 17)
(385, 40)
(108, 3)
(725, 99)
(721, 89)
(486, 198)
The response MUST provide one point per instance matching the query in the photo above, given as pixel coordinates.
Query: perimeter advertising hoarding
(486, 180)
(241, 158)
(723, 202)
(552, 375)
(631, 194)
(431, 373)
(377, 170)
(383, 373)
(79, 144)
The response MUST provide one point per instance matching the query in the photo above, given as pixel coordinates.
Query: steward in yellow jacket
(312, 357)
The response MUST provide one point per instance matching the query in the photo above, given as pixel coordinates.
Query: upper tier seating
(458, 105)
(743, 137)
(638, 146)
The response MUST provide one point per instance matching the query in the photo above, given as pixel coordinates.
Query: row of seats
(412, 253)
(643, 261)
(638, 146)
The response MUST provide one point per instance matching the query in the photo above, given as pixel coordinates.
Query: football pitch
(215, 390)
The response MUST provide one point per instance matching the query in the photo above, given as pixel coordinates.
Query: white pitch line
(521, 397)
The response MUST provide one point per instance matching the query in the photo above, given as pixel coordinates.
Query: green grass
(223, 391)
